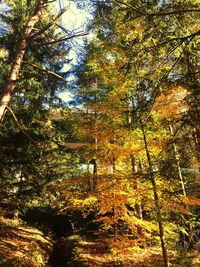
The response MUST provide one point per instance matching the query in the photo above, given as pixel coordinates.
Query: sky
(73, 19)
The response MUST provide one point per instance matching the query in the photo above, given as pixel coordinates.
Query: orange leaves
(171, 103)
(190, 200)
(178, 208)
(180, 204)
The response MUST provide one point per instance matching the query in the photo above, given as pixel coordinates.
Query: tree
(32, 155)
(22, 47)
(140, 48)
(28, 38)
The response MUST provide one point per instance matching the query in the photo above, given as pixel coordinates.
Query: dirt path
(94, 252)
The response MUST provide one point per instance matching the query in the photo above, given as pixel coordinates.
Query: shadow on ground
(22, 245)
(96, 252)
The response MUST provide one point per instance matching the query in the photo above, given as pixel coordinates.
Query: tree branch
(182, 39)
(44, 70)
(162, 13)
(20, 127)
(129, 6)
(62, 39)
(175, 12)
(49, 25)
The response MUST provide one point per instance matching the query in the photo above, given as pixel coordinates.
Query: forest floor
(23, 246)
(94, 252)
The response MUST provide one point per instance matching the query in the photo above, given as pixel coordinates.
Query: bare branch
(182, 39)
(20, 127)
(175, 12)
(49, 25)
(44, 70)
(63, 39)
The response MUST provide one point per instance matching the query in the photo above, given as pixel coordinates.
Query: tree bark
(183, 237)
(95, 165)
(194, 80)
(94, 173)
(176, 154)
(17, 63)
(138, 207)
(196, 137)
(156, 200)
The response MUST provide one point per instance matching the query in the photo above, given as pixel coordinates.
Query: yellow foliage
(190, 200)
(171, 102)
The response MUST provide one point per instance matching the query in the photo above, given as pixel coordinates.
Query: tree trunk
(156, 200)
(95, 165)
(94, 173)
(17, 63)
(194, 81)
(176, 154)
(115, 225)
(183, 237)
(138, 207)
(196, 136)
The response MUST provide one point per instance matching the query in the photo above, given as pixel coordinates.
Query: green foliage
(137, 127)
(133, 81)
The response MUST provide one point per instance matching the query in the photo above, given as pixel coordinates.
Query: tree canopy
(124, 155)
